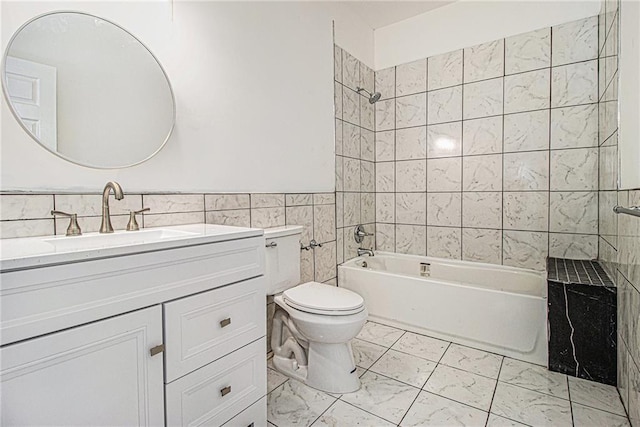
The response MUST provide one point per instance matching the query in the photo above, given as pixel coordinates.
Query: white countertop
(30, 252)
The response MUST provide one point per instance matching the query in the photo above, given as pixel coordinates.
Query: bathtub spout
(363, 251)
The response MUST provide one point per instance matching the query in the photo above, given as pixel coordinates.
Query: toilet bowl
(314, 323)
(312, 332)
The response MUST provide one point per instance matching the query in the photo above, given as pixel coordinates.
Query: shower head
(373, 97)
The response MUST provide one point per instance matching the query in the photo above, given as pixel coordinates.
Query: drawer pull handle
(225, 322)
(271, 245)
(156, 350)
(225, 390)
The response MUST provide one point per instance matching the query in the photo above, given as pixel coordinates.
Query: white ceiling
(379, 14)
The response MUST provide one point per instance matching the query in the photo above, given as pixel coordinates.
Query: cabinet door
(98, 374)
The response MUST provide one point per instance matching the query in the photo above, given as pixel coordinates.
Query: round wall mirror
(87, 90)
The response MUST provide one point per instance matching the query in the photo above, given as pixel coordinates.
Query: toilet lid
(320, 298)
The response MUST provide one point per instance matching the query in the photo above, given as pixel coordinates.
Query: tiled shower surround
(505, 152)
(355, 153)
(619, 235)
(490, 153)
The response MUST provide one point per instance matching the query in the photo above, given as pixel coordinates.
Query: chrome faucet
(106, 226)
(363, 251)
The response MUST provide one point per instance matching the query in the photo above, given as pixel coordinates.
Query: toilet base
(289, 367)
(334, 370)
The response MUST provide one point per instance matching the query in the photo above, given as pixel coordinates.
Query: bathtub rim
(350, 264)
(483, 265)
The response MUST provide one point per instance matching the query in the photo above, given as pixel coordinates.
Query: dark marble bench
(582, 320)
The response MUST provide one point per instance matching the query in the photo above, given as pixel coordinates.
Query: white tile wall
(510, 142)
(362, 143)
(619, 235)
(528, 51)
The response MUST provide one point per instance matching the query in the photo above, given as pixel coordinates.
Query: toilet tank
(282, 269)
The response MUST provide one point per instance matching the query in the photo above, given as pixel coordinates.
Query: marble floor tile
(534, 377)
(404, 367)
(366, 353)
(595, 395)
(433, 410)
(462, 386)
(454, 392)
(274, 379)
(342, 414)
(530, 407)
(583, 416)
(382, 396)
(380, 334)
(295, 404)
(421, 346)
(472, 360)
(496, 421)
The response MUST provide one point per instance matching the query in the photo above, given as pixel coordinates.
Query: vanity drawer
(204, 327)
(254, 416)
(218, 391)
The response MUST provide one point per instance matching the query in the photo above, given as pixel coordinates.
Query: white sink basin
(122, 238)
(29, 252)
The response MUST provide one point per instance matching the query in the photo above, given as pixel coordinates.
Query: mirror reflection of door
(32, 89)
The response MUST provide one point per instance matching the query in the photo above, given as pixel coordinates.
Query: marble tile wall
(490, 153)
(25, 215)
(355, 153)
(619, 235)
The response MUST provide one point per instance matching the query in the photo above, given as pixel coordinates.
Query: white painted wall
(352, 33)
(470, 22)
(254, 89)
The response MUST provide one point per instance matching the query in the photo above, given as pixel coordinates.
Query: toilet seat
(318, 298)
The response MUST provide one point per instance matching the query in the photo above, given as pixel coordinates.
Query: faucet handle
(313, 244)
(359, 234)
(133, 224)
(73, 229)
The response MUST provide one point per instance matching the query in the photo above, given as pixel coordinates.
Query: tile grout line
(549, 115)
(462, 162)
(570, 401)
(504, 82)
(323, 412)
(426, 169)
(363, 410)
(496, 387)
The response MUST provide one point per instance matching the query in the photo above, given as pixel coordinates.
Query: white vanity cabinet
(173, 336)
(100, 373)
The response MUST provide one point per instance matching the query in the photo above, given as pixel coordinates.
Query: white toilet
(314, 323)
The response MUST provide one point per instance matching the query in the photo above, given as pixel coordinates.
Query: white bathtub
(494, 308)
